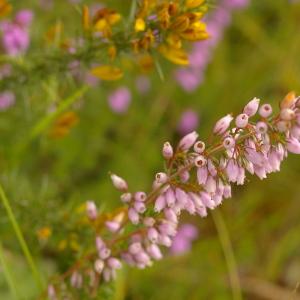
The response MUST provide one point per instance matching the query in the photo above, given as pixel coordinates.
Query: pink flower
(222, 125)
(15, 40)
(241, 120)
(24, 17)
(167, 150)
(119, 100)
(7, 99)
(293, 145)
(251, 108)
(188, 141)
(188, 122)
(182, 242)
(118, 182)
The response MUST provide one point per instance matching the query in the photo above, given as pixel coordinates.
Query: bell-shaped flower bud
(91, 210)
(114, 263)
(112, 226)
(265, 110)
(154, 251)
(202, 174)
(200, 161)
(287, 114)
(161, 177)
(140, 207)
(199, 147)
(167, 151)
(261, 127)
(160, 203)
(241, 120)
(188, 141)
(119, 183)
(229, 142)
(126, 197)
(99, 266)
(104, 253)
(251, 108)
(152, 235)
(133, 216)
(140, 196)
(293, 145)
(222, 125)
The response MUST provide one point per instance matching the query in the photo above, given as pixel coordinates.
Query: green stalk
(21, 239)
(7, 274)
(227, 248)
(45, 122)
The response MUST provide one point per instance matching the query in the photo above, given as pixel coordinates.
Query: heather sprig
(197, 177)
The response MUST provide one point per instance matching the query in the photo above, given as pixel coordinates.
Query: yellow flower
(196, 32)
(146, 63)
(139, 25)
(86, 23)
(107, 72)
(147, 40)
(5, 8)
(53, 35)
(64, 124)
(175, 55)
(174, 40)
(163, 15)
(146, 7)
(181, 23)
(104, 20)
(193, 3)
(44, 233)
(112, 52)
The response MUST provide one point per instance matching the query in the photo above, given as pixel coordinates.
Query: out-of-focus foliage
(48, 179)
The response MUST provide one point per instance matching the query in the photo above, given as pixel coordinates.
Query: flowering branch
(154, 27)
(197, 178)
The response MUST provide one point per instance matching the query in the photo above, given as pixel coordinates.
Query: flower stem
(7, 274)
(227, 248)
(21, 239)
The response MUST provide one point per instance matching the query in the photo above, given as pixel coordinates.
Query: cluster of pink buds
(197, 178)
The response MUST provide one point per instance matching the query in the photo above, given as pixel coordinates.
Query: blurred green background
(50, 178)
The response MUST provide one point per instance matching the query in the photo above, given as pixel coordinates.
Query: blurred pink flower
(7, 99)
(182, 242)
(188, 122)
(24, 17)
(15, 35)
(119, 100)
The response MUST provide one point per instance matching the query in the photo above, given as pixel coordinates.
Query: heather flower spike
(257, 145)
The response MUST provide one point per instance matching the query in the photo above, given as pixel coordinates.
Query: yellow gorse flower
(64, 124)
(107, 72)
(175, 55)
(44, 233)
(140, 25)
(193, 3)
(158, 25)
(5, 8)
(104, 20)
(86, 22)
